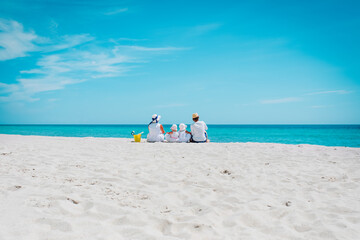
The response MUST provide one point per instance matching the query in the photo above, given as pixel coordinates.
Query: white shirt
(198, 130)
(183, 136)
(155, 134)
(174, 137)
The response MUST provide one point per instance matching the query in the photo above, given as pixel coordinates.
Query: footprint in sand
(136, 233)
(55, 224)
(302, 228)
(129, 220)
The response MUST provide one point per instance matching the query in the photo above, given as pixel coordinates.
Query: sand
(108, 188)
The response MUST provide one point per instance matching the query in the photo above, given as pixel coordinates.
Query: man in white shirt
(198, 130)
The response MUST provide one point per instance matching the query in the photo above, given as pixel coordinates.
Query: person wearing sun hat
(172, 136)
(184, 136)
(156, 130)
(198, 130)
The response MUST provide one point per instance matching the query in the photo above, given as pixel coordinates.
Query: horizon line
(141, 124)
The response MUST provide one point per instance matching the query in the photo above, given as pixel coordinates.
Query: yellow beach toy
(137, 137)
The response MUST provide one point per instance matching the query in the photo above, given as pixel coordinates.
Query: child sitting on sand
(184, 136)
(172, 136)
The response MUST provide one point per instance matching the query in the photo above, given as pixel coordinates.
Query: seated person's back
(172, 136)
(184, 136)
(198, 131)
(156, 130)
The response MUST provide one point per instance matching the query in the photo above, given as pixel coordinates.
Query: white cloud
(6, 88)
(68, 41)
(45, 83)
(159, 49)
(131, 39)
(57, 69)
(116, 11)
(280, 100)
(14, 41)
(330, 92)
(202, 29)
(53, 26)
(77, 60)
(296, 99)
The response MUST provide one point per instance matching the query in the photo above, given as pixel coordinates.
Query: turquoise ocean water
(328, 135)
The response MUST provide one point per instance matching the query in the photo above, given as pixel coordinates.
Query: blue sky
(245, 62)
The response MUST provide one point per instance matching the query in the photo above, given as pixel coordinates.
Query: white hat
(156, 118)
(174, 127)
(182, 127)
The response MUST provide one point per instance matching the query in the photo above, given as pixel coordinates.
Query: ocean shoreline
(144, 141)
(334, 135)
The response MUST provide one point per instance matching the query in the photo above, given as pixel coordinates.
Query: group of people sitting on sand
(197, 134)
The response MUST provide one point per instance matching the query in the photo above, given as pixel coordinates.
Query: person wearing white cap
(172, 136)
(184, 136)
(156, 130)
(198, 130)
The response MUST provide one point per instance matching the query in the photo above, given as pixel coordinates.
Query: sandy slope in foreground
(96, 188)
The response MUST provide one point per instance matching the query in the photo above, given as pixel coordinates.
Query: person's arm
(206, 128)
(169, 133)
(187, 132)
(162, 129)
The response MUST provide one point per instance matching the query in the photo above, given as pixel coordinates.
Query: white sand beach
(107, 188)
